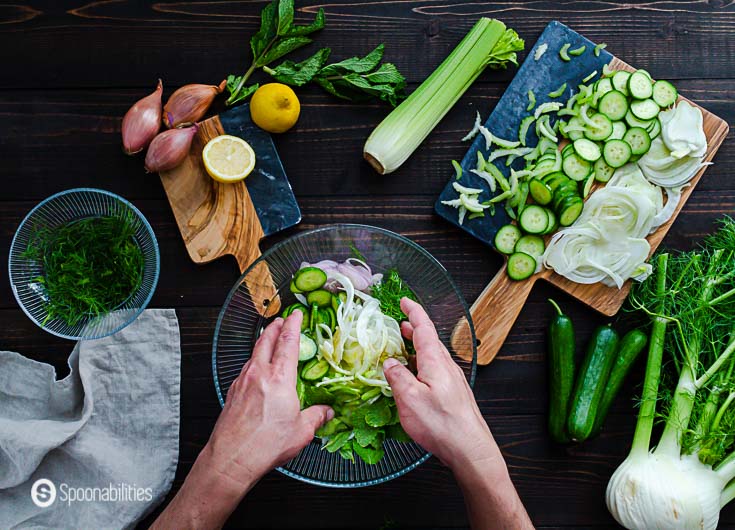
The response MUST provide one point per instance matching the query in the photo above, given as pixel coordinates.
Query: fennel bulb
(686, 479)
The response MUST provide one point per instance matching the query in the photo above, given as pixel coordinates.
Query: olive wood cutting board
(496, 309)
(216, 219)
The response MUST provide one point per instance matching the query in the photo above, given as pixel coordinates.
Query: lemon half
(228, 158)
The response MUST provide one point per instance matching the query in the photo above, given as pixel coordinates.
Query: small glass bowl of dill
(84, 263)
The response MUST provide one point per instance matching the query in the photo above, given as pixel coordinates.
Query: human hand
(437, 407)
(261, 424)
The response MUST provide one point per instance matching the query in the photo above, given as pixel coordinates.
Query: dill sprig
(89, 266)
(389, 292)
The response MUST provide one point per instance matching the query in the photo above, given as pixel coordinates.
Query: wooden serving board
(216, 219)
(496, 309)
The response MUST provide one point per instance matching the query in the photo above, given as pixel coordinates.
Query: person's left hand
(261, 425)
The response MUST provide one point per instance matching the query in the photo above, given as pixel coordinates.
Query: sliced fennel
(686, 479)
(488, 44)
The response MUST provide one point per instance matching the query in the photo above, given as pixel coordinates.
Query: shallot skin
(169, 149)
(190, 103)
(142, 122)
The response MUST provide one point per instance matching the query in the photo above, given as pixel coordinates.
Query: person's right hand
(437, 407)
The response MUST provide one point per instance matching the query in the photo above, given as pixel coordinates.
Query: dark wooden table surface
(70, 70)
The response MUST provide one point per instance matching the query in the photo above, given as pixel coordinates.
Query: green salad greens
(351, 325)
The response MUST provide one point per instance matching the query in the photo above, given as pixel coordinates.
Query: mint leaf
(337, 441)
(314, 395)
(387, 73)
(281, 48)
(268, 29)
(298, 74)
(300, 31)
(397, 433)
(365, 435)
(369, 455)
(285, 16)
(239, 95)
(356, 64)
(378, 414)
(346, 452)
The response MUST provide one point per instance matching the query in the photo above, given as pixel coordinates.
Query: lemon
(228, 158)
(275, 108)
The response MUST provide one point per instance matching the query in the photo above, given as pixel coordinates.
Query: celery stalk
(403, 130)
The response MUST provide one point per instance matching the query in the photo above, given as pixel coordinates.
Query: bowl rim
(148, 228)
(307, 233)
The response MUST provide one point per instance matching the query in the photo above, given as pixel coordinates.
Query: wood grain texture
(495, 310)
(216, 219)
(77, 66)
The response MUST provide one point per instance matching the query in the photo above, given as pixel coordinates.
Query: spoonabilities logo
(43, 493)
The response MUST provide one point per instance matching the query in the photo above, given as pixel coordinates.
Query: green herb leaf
(308, 29)
(285, 16)
(358, 65)
(244, 93)
(368, 455)
(281, 48)
(378, 413)
(337, 441)
(346, 452)
(365, 435)
(268, 29)
(298, 74)
(397, 433)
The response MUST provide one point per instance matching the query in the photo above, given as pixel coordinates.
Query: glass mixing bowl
(263, 290)
(62, 208)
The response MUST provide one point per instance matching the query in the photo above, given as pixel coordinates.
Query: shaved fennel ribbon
(607, 242)
(363, 339)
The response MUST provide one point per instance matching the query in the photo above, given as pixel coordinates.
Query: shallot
(169, 149)
(142, 121)
(190, 103)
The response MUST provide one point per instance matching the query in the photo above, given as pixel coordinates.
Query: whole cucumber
(561, 373)
(631, 345)
(591, 382)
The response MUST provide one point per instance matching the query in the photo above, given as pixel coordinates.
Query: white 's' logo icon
(43, 493)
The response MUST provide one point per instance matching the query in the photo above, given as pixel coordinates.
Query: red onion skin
(142, 122)
(169, 149)
(190, 103)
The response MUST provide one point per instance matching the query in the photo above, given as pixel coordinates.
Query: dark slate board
(268, 185)
(542, 76)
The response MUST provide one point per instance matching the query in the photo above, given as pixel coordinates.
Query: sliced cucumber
(307, 348)
(632, 121)
(532, 245)
(620, 82)
(338, 299)
(540, 191)
(309, 279)
(616, 153)
(314, 370)
(664, 93)
(327, 316)
(602, 130)
(570, 210)
(603, 86)
(575, 122)
(320, 298)
(639, 85)
(638, 140)
(618, 132)
(614, 105)
(603, 172)
(293, 288)
(654, 129)
(645, 109)
(506, 238)
(554, 180)
(575, 167)
(293, 307)
(553, 223)
(587, 150)
(534, 219)
(521, 266)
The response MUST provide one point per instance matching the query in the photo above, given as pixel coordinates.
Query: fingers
(286, 351)
(423, 334)
(316, 416)
(407, 330)
(400, 379)
(263, 351)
